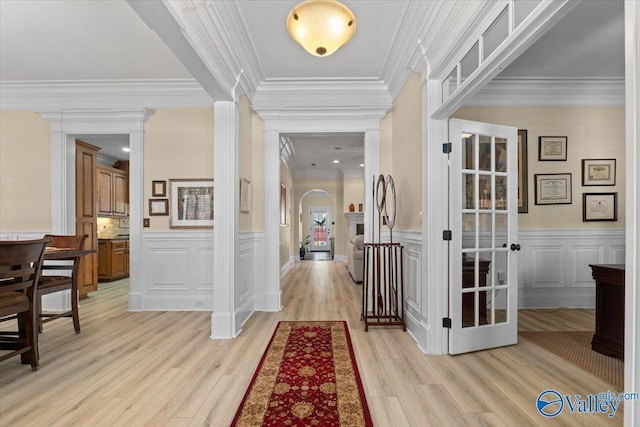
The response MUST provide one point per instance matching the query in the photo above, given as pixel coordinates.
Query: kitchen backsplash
(111, 228)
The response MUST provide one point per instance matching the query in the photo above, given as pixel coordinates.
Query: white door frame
(64, 125)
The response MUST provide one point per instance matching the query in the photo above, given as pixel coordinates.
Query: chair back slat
(20, 263)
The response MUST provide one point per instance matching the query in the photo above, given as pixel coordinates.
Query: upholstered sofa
(355, 257)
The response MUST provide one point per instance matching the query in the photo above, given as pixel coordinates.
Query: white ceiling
(107, 40)
(377, 23)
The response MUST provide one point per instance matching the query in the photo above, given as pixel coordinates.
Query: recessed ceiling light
(336, 161)
(361, 165)
(127, 149)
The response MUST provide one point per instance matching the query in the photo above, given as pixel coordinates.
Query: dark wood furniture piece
(86, 216)
(113, 259)
(468, 306)
(60, 250)
(20, 267)
(609, 336)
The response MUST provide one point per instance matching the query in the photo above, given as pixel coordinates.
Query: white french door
(320, 229)
(483, 219)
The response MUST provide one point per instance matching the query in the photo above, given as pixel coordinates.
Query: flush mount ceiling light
(321, 26)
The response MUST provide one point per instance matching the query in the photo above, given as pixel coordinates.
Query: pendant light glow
(321, 27)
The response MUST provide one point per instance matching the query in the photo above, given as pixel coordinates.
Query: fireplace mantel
(354, 218)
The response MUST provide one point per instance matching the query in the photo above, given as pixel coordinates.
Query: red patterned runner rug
(307, 377)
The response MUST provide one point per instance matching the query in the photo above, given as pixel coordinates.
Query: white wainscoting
(415, 310)
(553, 265)
(177, 270)
(250, 261)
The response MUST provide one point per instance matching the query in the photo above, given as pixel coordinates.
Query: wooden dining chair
(20, 267)
(49, 284)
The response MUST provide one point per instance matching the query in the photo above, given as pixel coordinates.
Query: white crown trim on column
(54, 95)
(537, 92)
(308, 99)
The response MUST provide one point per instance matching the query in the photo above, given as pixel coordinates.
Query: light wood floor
(161, 368)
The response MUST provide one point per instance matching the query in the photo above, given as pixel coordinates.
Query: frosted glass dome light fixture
(321, 26)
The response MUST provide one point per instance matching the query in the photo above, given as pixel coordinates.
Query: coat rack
(383, 278)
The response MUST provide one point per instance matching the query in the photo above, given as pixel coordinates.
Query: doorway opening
(110, 218)
(316, 223)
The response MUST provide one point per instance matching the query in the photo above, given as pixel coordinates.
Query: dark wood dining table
(51, 252)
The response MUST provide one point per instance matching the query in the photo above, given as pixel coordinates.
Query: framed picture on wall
(598, 172)
(191, 203)
(159, 188)
(553, 189)
(245, 195)
(523, 173)
(599, 207)
(159, 207)
(283, 205)
(552, 148)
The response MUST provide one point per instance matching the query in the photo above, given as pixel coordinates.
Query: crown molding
(47, 95)
(308, 99)
(217, 32)
(550, 92)
(104, 120)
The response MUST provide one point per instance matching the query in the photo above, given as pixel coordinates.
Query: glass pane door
(483, 221)
(319, 229)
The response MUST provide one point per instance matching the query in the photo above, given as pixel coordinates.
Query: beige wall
(25, 172)
(406, 152)
(287, 242)
(245, 150)
(257, 180)
(335, 190)
(353, 188)
(177, 144)
(592, 133)
(386, 140)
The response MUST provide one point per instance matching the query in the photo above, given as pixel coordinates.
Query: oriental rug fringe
(307, 377)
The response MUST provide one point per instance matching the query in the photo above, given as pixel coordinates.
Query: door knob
(515, 247)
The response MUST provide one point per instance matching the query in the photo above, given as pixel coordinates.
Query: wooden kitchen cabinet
(113, 195)
(113, 259)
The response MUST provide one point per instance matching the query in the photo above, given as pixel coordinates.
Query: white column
(136, 212)
(268, 299)
(632, 273)
(225, 207)
(63, 214)
(434, 304)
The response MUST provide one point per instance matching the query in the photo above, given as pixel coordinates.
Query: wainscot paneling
(177, 270)
(415, 312)
(250, 250)
(553, 265)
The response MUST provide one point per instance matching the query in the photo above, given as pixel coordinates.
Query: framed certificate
(552, 148)
(599, 207)
(553, 189)
(598, 172)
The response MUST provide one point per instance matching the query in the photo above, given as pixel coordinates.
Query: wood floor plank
(162, 369)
